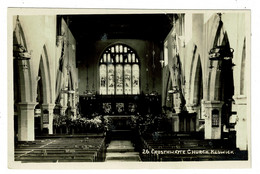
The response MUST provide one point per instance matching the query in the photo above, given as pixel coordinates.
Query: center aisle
(121, 151)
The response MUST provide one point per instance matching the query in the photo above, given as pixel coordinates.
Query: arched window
(119, 71)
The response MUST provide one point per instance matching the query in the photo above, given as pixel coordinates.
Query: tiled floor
(121, 151)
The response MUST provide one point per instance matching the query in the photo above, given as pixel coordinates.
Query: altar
(119, 122)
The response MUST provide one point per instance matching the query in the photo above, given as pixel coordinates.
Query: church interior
(130, 87)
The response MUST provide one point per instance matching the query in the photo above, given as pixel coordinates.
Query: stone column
(26, 121)
(49, 108)
(63, 109)
(177, 109)
(63, 103)
(213, 109)
(241, 126)
(192, 108)
(74, 110)
(73, 105)
(175, 123)
(177, 103)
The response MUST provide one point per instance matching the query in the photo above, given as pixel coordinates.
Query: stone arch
(22, 68)
(44, 94)
(196, 81)
(44, 69)
(24, 96)
(221, 77)
(168, 97)
(212, 73)
(243, 70)
(217, 71)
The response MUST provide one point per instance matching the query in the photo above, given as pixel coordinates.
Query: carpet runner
(121, 151)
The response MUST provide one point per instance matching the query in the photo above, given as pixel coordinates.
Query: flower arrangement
(108, 124)
(59, 120)
(80, 124)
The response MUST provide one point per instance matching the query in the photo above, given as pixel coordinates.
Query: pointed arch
(44, 69)
(168, 86)
(221, 69)
(243, 66)
(213, 30)
(22, 70)
(196, 88)
(169, 97)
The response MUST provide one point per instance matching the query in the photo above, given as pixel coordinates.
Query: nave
(126, 148)
(130, 87)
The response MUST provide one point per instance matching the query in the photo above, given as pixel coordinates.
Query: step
(123, 154)
(122, 157)
(120, 146)
(120, 149)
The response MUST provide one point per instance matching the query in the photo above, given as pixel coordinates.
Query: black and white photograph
(131, 87)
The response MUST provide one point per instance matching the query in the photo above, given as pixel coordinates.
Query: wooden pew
(62, 150)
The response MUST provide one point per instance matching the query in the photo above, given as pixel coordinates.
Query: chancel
(131, 87)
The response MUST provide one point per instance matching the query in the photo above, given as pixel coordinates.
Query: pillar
(74, 110)
(213, 119)
(26, 121)
(73, 105)
(175, 123)
(64, 105)
(192, 108)
(177, 103)
(49, 116)
(63, 109)
(241, 126)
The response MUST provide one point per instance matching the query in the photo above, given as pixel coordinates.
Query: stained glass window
(111, 81)
(119, 79)
(119, 71)
(127, 80)
(135, 77)
(129, 57)
(103, 79)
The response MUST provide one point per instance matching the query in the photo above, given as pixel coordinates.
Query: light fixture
(153, 52)
(221, 53)
(68, 91)
(88, 93)
(174, 90)
(153, 93)
(161, 59)
(162, 62)
(20, 52)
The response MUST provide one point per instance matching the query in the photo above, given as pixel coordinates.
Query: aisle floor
(121, 151)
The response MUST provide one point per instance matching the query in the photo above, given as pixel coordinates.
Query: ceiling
(154, 27)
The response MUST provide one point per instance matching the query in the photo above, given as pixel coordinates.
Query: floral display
(78, 125)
